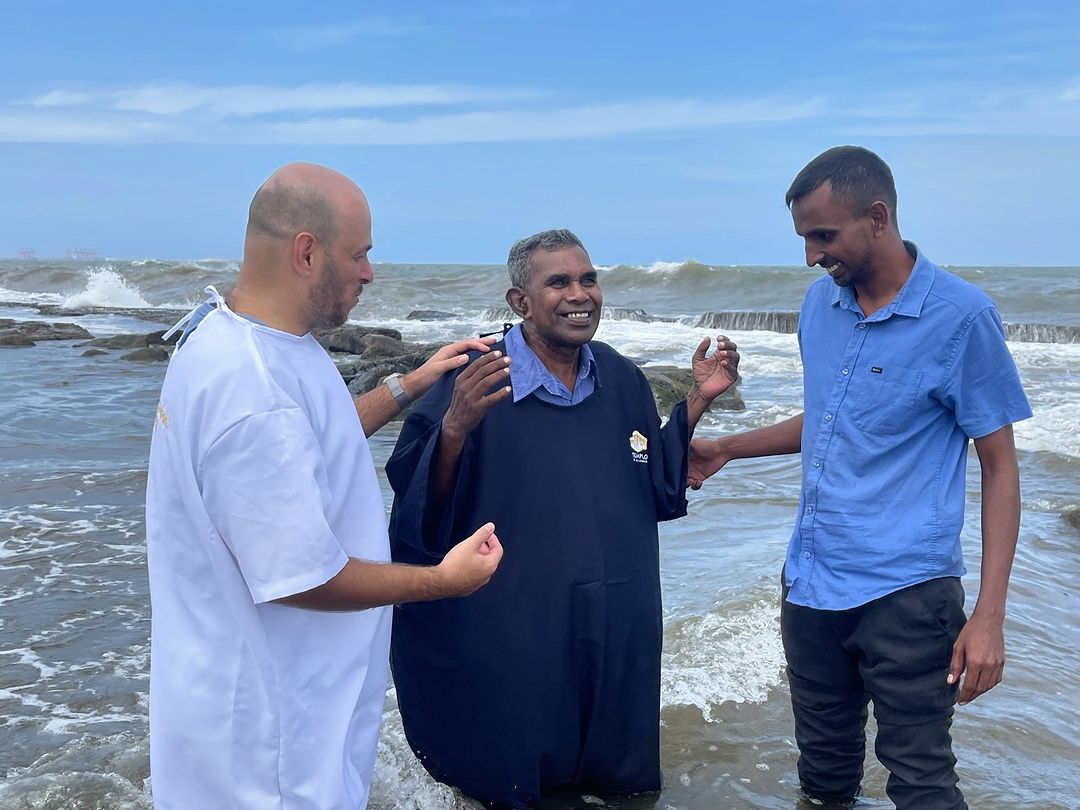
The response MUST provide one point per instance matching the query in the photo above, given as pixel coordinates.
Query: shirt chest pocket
(881, 399)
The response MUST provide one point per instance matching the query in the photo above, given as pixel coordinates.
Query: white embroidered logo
(638, 445)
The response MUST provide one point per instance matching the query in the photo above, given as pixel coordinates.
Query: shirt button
(862, 325)
(809, 510)
(806, 554)
(817, 463)
(844, 371)
(828, 417)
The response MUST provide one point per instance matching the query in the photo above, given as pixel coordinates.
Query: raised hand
(471, 398)
(448, 358)
(469, 565)
(715, 373)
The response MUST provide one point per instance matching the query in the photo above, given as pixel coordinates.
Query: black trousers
(894, 651)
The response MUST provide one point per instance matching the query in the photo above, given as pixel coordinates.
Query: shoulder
(223, 366)
(962, 296)
(820, 293)
(607, 357)
(615, 368)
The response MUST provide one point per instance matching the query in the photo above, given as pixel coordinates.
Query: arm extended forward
(361, 584)
(709, 455)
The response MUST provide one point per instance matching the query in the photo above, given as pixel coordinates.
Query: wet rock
(671, 384)
(156, 314)
(41, 330)
(1072, 516)
(151, 354)
(349, 337)
(94, 352)
(130, 341)
(15, 339)
(498, 315)
(430, 315)
(627, 314)
(741, 320)
(380, 347)
(370, 374)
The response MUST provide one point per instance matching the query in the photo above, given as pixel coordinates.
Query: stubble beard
(325, 300)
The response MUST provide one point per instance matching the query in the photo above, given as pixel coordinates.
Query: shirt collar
(909, 301)
(527, 372)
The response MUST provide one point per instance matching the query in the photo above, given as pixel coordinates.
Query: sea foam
(107, 288)
(722, 656)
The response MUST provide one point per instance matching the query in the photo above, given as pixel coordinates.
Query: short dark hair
(519, 263)
(856, 175)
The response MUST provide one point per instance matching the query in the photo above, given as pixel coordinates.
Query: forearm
(780, 439)
(1000, 527)
(696, 405)
(378, 407)
(361, 585)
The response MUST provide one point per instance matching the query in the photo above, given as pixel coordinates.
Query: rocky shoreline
(364, 355)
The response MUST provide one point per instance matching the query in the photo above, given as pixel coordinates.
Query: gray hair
(519, 261)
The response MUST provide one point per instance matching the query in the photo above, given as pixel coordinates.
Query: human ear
(518, 301)
(880, 217)
(303, 254)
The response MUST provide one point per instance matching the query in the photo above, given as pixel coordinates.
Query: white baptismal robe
(261, 485)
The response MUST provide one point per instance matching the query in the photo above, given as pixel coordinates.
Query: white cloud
(331, 114)
(313, 37)
(62, 98)
(175, 118)
(253, 100)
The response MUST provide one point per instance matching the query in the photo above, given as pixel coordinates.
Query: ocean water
(74, 607)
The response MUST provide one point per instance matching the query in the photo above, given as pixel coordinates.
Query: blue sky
(656, 131)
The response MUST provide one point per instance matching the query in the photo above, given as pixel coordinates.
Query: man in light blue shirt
(902, 364)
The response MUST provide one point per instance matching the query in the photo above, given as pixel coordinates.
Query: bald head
(299, 198)
(305, 251)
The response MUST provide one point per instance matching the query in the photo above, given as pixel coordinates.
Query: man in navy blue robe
(549, 678)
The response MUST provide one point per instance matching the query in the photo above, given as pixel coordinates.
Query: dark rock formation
(348, 338)
(671, 384)
(131, 341)
(381, 347)
(1072, 516)
(155, 354)
(746, 321)
(15, 339)
(430, 315)
(27, 333)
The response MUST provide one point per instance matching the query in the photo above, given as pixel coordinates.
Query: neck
(275, 310)
(888, 275)
(560, 360)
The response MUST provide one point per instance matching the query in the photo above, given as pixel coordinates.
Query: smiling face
(836, 239)
(560, 306)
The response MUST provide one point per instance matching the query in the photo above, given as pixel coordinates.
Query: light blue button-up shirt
(528, 374)
(890, 401)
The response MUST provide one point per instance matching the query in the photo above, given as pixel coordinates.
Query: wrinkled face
(835, 239)
(561, 305)
(344, 270)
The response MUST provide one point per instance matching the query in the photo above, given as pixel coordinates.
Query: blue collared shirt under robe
(528, 375)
